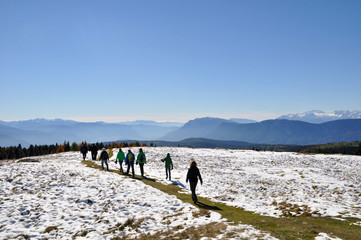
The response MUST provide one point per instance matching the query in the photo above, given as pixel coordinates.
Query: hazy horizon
(122, 119)
(118, 119)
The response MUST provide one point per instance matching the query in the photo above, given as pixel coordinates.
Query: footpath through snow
(268, 183)
(60, 198)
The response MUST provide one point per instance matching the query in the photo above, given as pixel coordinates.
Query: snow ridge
(318, 116)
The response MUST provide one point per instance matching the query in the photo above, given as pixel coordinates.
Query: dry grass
(200, 213)
(80, 234)
(50, 228)
(293, 210)
(210, 230)
(131, 223)
(22, 236)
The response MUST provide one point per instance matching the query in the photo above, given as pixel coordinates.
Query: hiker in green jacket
(141, 160)
(120, 158)
(168, 166)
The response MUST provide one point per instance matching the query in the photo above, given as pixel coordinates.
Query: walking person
(141, 160)
(84, 150)
(120, 158)
(192, 176)
(104, 157)
(94, 152)
(129, 160)
(168, 166)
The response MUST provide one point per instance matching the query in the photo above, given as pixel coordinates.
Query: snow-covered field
(325, 185)
(60, 198)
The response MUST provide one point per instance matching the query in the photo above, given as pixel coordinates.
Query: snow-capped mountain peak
(318, 116)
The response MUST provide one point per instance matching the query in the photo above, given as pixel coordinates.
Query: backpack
(131, 158)
(83, 149)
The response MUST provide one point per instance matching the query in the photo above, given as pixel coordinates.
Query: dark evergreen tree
(66, 146)
(358, 150)
(74, 147)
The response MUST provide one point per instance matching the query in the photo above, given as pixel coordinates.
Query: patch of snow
(357, 223)
(324, 236)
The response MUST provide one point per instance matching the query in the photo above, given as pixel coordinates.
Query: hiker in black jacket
(84, 150)
(193, 175)
(94, 152)
(104, 157)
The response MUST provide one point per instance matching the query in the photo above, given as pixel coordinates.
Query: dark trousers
(84, 156)
(121, 167)
(94, 156)
(141, 166)
(193, 186)
(167, 173)
(106, 163)
(130, 166)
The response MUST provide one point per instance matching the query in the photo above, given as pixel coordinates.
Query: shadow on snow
(178, 184)
(208, 207)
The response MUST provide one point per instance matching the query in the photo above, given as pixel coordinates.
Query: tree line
(39, 150)
(350, 148)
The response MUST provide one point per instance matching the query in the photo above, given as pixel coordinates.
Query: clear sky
(175, 60)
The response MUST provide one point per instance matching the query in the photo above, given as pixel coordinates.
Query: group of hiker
(129, 160)
(193, 173)
(93, 149)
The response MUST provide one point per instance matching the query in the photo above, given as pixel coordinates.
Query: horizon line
(92, 120)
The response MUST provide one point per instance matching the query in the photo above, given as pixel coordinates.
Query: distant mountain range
(43, 131)
(317, 116)
(153, 123)
(199, 143)
(277, 131)
(287, 129)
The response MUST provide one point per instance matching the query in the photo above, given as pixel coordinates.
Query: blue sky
(178, 60)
